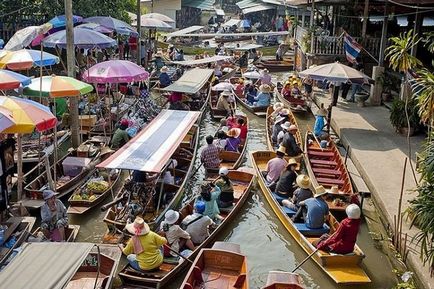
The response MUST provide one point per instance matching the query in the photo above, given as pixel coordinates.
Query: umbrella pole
(20, 167)
(55, 144)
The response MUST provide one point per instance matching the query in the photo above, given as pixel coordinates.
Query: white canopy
(191, 81)
(270, 33)
(202, 61)
(185, 31)
(257, 8)
(232, 22)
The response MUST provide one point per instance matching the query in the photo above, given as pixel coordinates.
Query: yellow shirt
(151, 257)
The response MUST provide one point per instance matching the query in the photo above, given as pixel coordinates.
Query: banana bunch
(97, 186)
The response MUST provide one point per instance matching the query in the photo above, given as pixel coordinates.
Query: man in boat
(314, 211)
(143, 249)
(342, 241)
(120, 137)
(285, 186)
(210, 155)
(164, 78)
(282, 120)
(197, 225)
(275, 167)
(223, 102)
(303, 192)
(264, 97)
(54, 218)
(292, 147)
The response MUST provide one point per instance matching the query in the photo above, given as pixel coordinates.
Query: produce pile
(91, 190)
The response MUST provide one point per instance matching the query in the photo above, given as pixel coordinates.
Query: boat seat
(316, 162)
(278, 198)
(319, 149)
(288, 211)
(320, 154)
(187, 286)
(240, 281)
(226, 210)
(197, 273)
(302, 228)
(326, 171)
(328, 181)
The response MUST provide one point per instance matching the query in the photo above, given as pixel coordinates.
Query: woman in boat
(120, 137)
(226, 198)
(54, 218)
(209, 194)
(281, 119)
(143, 249)
(264, 97)
(158, 61)
(223, 102)
(220, 142)
(285, 186)
(233, 140)
(303, 192)
(286, 90)
(164, 78)
(241, 124)
(176, 237)
(265, 77)
(319, 121)
(250, 93)
(313, 211)
(239, 88)
(295, 91)
(342, 241)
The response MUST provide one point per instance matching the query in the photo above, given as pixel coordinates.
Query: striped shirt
(210, 156)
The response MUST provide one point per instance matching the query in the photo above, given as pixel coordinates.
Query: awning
(151, 149)
(202, 61)
(44, 265)
(248, 47)
(232, 22)
(199, 4)
(257, 8)
(184, 31)
(248, 3)
(191, 81)
(219, 12)
(270, 33)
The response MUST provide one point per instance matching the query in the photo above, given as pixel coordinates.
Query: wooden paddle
(304, 261)
(317, 141)
(191, 262)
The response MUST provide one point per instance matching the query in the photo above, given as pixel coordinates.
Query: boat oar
(316, 139)
(304, 261)
(176, 253)
(195, 171)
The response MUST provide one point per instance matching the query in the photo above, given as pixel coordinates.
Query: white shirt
(199, 229)
(280, 136)
(220, 143)
(173, 235)
(168, 178)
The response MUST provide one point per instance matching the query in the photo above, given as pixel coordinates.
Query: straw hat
(291, 161)
(281, 149)
(171, 45)
(164, 69)
(334, 190)
(295, 82)
(278, 105)
(234, 132)
(240, 80)
(321, 112)
(320, 191)
(303, 181)
(139, 227)
(48, 194)
(159, 54)
(287, 83)
(293, 127)
(353, 211)
(226, 92)
(171, 217)
(106, 150)
(284, 112)
(286, 125)
(265, 88)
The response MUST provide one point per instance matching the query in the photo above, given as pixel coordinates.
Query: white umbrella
(223, 86)
(335, 72)
(24, 37)
(158, 16)
(153, 23)
(252, 74)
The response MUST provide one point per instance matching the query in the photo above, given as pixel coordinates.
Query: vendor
(164, 77)
(120, 137)
(54, 218)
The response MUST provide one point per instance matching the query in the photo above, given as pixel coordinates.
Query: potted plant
(398, 116)
(387, 84)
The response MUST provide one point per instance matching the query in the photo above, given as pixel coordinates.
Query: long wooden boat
(64, 184)
(218, 113)
(234, 38)
(222, 267)
(269, 128)
(285, 65)
(71, 233)
(18, 229)
(283, 280)
(327, 168)
(259, 111)
(345, 269)
(297, 105)
(242, 184)
(78, 205)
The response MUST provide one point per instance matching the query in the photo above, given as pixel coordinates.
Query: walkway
(379, 153)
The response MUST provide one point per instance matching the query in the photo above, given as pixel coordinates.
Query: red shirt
(175, 96)
(243, 133)
(344, 239)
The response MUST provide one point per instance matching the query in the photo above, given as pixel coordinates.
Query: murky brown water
(263, 239)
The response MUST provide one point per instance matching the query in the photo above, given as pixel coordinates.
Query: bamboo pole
(20, 167)
(399, 218)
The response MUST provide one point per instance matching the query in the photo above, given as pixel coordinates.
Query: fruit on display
(98, 186)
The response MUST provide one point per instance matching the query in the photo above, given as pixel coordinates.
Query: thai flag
(352, 48)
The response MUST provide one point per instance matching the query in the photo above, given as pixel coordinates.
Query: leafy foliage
(397, 114)
(424, 88)
(399, 52)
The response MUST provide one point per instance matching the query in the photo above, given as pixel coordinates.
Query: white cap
(353, 211)
(171, 217)
(223, 171)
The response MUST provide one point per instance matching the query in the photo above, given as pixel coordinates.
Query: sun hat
(284, 111)
(321, 112)
(263, 71)
(226, 92)
(303, 181)
(223, 171)
(293, 127)
(200, 206)
(171, 45)
(159, 54)
(106, 150)
(171, 217)
(334, 190)
(138, 227)
(173, 164)
(279, 118)
(353, 211)
(286, 125)
(281, 149)
(225, 129)
(295, 82)
(164, 69)
(234, 132)
(286, 83)
(240, 80)
(48, 194)
(264, 88)
(319, 191)
(291, 161)
(277, 105)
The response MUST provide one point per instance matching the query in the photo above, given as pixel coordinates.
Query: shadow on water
(263, 238)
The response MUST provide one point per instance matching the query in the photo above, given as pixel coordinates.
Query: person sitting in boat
(264, 97)
(295, 91)
(292, 147)
(243, 62)
(282, 119)
(275, 167)
(241, 124)
(313, 211)
(218, 71)
(168, 177)
(224, 125)
(319, 122)
(250, 93)
(342, 241)
(210, 154)
(164, 77)
(220, 140)
(54, 218)
(233, 140)
(177, 238)
(143, 248)
(120, 137)
(209, 194)
(283, 130)
(158, 61)
(286, 90)
(265, 77)
(197, 224)
(223, 102)
(174, 99)
(239, 88)
(179, 56)
(226, 198)
(303, 192)
(285, 186)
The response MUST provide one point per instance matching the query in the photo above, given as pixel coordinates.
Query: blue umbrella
(60, 21)
(117, 25)
(245, 23)
(83, 38)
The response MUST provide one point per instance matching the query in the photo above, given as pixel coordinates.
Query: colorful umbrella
(336, 72)
(28, 115)
(26, 59)
(57, 86)
(24, 37)
(115, 71)
(117, 25)
(83, 38)
(158, 16)
(95, 27)
(60, 21)
(6, 119)
(12, 80)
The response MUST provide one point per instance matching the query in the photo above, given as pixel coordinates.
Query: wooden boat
(269, 128)
(327, 168)
(283, 280)
(296, 105)
(168, 270)
(81, 206)
(71, 233)
(18, 229)
(234, 38)
(65, 184)
(285, 65)
(222, 266)
(218, 113)
(259, 111)
(345, 269)
(229, 71)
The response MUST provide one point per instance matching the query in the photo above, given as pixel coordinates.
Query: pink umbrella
(115, 71)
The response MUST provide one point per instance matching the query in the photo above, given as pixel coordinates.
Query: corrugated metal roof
(257, 8)
(200, 4)
(248, 3)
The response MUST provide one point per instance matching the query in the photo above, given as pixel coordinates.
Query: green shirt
(120, 137)
(61, 107)
(151, 257)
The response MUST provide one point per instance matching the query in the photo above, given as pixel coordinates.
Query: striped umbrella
(57, 86)
(6, 119)
(12, 80)
(26, 59)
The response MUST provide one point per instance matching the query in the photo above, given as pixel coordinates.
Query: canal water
(263, 239)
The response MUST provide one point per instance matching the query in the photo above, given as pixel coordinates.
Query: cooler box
(72, 166)
(87, 120)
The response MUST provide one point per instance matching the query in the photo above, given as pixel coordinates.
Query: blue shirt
(165, 79)
(317, 209)
(263, 99)
(211, 206)
(319, 125)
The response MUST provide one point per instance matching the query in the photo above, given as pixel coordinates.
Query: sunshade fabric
(96, 27)
(57, 86)
(202, 61)
(200, 4)
(151, 149)
(153, 23)
(158, 16)
(6, 119)
(219, 12)
(191, 81)
(26, 59)
(185, 31)
(44, 265)
(336, 72)
(83, 38)
(117, 25)
(60, 21)
(248, 3)
(24, 37)
(257, 8)
(12, 80)
(232, 22)
(201, 35)
(115, 71)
